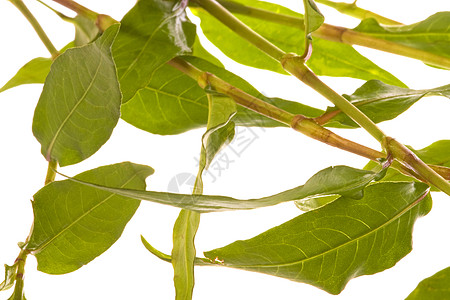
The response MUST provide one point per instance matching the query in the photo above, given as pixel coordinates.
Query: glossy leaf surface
(435, 287)
(152, 33)
(75, 223)
(329, 246)
(80, 103)
(340, 180)
(344, 60)
(382, 102)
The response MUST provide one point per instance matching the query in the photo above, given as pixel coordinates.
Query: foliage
(151, 70)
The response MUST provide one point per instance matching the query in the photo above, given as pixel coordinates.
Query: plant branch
(299, 123)
(295, 65)
(102, 21)
(78, 8)
(37, 27)
(353, 10)
(51, 172)
(404, 154)
(223, 15)
(340, 34)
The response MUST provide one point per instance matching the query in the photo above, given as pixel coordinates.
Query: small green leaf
(435, 287)
(173, 102)
(75, 223)
(85, 30)
(328, 58)
(35, 71)
(431, 35)
(80, 103)
(341, 180)
(152, 33)
(313, 17)
(10, 277)
(329, 246)
(382, 102)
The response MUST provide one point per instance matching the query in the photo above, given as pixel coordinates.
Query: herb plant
(150, 70)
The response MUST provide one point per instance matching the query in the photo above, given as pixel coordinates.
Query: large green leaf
(382, 102)
(437, 154)
(80, 103)
(341, 180)
(432, 34)
(35, 71)
(331, 245)
(342, 60)
(75, 223)
(152, 33)
(173, 102)
(435, 287)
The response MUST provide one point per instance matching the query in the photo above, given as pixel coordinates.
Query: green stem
(299, 123)
(409, 158)
(78, 8)
(102, 21)
(20, 273)
(223, 15)
(295, 65)
(353, 10)
(341, 34)
(37, 27)
(51, 172)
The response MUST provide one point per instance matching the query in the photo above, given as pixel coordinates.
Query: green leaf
(80, 103)
(152, 33)
(435, 287)
(341, 180)
(219, 132)
(183, 253)
(35, 71)
(173, 102)
(382, 102)
(85, 30)
(343, 60)
(431, 35)
(437, 154)
(75, 223)
(313, 17)
(10, 277)
(329, 246)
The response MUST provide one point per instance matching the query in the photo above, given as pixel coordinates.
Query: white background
(277, 160)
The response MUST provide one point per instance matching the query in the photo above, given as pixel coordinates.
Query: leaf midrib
(83, 97)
